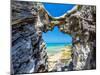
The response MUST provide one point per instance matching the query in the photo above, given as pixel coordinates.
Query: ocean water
(55, 35)
(53, 48)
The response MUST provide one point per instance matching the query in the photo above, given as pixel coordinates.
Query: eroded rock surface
(28, 51)
(81, 25)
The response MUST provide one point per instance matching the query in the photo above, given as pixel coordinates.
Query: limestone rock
(28, 50)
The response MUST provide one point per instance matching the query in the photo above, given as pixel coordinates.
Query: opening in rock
(59, 49)
(28, 52)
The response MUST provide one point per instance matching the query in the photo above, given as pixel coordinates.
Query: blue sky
(57, 10)
(56, 36)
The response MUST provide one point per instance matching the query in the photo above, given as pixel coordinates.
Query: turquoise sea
(53, 48)
(53, 37)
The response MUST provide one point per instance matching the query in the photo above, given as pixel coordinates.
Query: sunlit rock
(28, 51)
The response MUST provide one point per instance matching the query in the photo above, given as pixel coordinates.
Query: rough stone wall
(84, 38)
(28, 51)
(82, 26)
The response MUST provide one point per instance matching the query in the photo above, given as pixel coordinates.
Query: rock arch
(29, 20)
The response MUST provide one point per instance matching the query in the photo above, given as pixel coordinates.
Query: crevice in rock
(28, 45)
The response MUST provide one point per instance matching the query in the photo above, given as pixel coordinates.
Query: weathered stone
(28, 51)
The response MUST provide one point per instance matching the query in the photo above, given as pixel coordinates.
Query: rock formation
(28, 50)
(80, 23)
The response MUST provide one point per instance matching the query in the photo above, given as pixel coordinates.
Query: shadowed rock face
(28, 51)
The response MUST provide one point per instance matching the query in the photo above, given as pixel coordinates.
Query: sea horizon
(53, 48)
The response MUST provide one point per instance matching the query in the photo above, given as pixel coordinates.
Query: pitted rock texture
(30, 20)
(84, 38)
(81, 25)
(28, 52)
